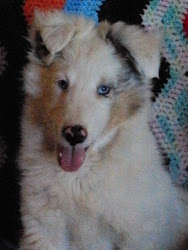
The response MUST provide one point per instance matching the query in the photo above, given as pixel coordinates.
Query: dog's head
(83, 81)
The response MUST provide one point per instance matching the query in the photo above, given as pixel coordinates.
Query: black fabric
(13, 30)
(121, 10)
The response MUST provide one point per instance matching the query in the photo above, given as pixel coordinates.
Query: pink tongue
(71, 159)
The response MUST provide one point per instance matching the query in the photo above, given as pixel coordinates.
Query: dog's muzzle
(71, 157)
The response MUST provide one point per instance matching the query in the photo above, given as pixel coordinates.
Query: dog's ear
(49, 34)
(140, 47)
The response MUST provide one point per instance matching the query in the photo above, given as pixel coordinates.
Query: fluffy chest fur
(121, 193)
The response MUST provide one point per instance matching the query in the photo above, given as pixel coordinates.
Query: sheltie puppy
(92, 175)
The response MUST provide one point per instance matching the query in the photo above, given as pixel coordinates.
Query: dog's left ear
(136, 44)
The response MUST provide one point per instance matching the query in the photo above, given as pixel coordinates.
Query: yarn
(30, 5)
(185, 24)
(87, 8)
(170, 110)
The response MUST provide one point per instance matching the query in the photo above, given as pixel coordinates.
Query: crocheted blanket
(170, 110)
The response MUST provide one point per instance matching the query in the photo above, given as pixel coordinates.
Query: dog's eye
(63, 84)
(103, 90)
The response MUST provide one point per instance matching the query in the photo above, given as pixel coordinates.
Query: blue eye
(103, 90)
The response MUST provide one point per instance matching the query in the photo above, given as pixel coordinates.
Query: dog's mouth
(71, 158)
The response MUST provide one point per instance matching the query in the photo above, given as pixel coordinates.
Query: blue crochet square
(87, 8)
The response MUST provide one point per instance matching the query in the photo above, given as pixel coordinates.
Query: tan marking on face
(45, 110)
(126, 105)
(103, 29)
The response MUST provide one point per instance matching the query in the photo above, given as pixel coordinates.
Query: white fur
(146, 51)
(122, 195)
(31, 76)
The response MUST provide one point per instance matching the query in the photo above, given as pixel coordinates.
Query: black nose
(74, 134)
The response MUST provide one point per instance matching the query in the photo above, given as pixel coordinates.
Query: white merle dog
(92, 177)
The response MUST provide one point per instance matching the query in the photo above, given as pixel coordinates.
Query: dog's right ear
(49, 34)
